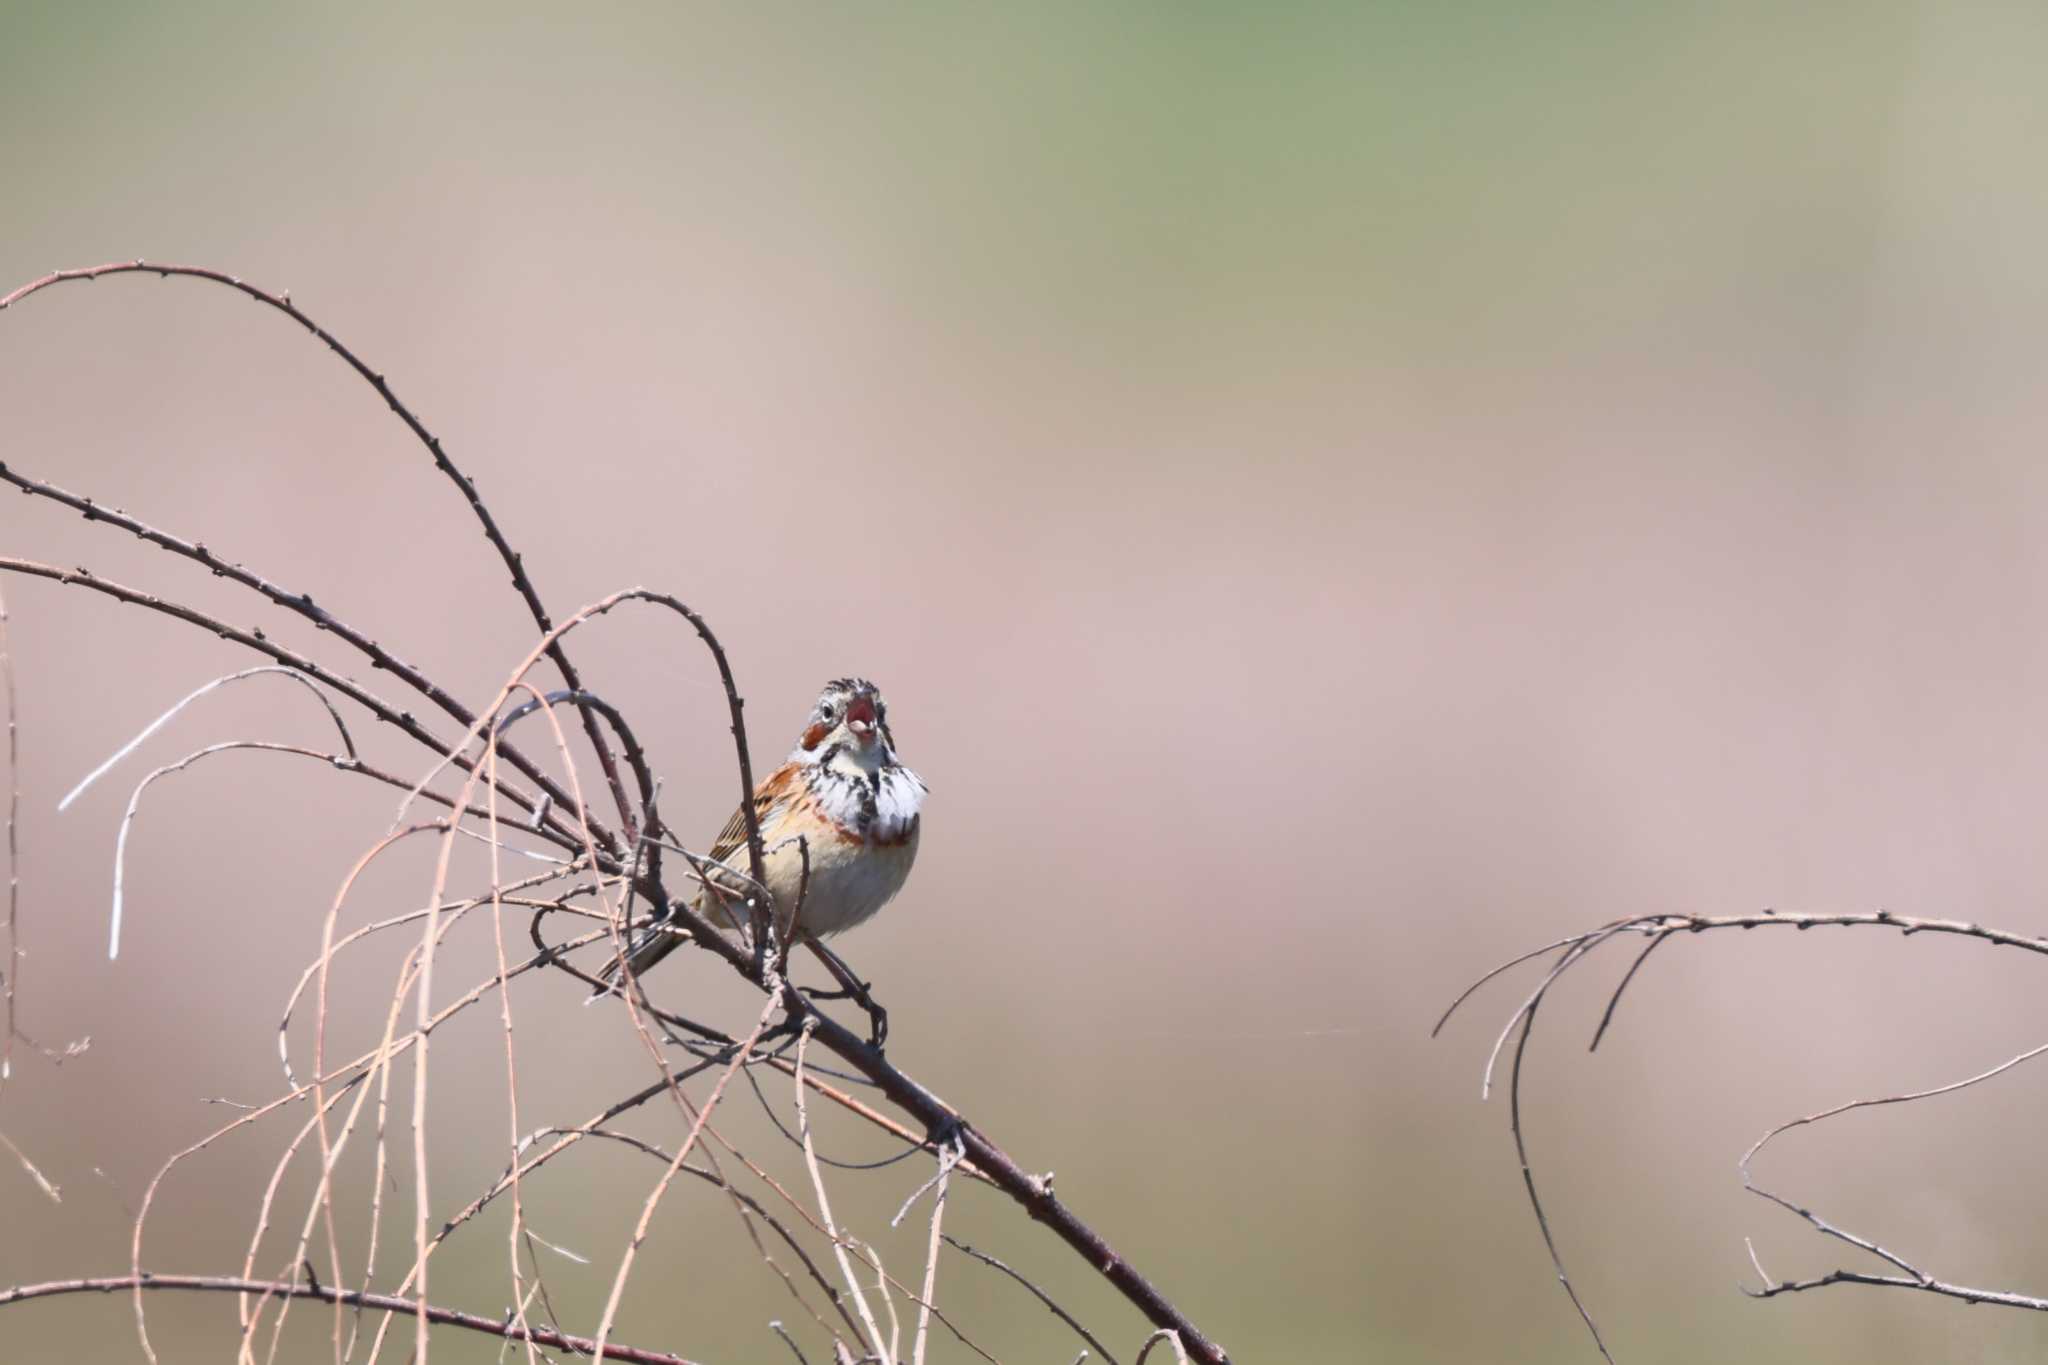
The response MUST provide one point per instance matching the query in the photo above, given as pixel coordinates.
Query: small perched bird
(841, 799)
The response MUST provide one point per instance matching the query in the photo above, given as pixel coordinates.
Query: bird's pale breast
(850, 876)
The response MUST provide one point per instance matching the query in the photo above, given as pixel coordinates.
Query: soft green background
(1336, 496)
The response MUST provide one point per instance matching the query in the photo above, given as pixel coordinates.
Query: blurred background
(1336, 496)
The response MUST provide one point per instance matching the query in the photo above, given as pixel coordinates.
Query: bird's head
(851, 721)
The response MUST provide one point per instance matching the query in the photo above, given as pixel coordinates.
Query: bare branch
(1529, 1175)
(1920, 1278)
(1660, 927)
(1999, 1297)
(1614, 1000)
(354, 1298)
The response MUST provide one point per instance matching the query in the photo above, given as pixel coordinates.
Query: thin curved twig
(647, 828)
(1169, 1336)
(1921, 1279)
(1614, 1000)
(734, 704)
(1529, 1176)
(1503, 968)
(347, 743)
(336, 761)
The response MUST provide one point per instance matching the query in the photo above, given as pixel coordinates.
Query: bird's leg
(851, 988)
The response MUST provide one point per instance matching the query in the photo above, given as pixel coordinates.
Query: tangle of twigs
(605, 869)
(1572, 951)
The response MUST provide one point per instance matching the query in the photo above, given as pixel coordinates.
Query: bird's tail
(646, 947)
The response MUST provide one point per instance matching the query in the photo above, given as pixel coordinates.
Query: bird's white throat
(881, 803)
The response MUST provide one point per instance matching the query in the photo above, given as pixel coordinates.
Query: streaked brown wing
(775, 791)
(733, 837)
(654, 943)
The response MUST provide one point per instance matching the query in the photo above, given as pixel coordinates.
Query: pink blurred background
(1334, 499)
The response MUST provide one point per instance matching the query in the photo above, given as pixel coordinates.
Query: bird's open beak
(860, 717)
